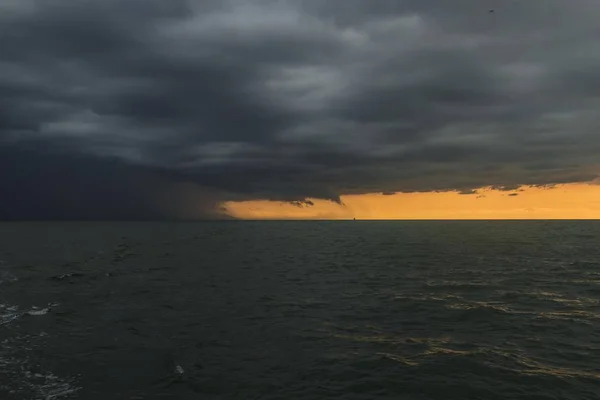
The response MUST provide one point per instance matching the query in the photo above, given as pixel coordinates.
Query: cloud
(286, 101)
(62, 186)
(303, 204)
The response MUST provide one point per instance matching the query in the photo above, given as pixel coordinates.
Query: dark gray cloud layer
(236, 99)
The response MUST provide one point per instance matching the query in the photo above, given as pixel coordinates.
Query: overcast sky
(147, 108)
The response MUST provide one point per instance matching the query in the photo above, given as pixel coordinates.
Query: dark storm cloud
(63, 186)
(287, 100)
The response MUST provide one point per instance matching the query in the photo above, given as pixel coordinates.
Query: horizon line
(299, 220)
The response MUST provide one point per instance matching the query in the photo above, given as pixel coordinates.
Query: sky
(184, 109)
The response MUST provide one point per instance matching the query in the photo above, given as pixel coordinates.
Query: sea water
(300, 310)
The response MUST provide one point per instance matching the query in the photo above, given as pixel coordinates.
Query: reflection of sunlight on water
(572, 316)
(569, 307)
(586, 281)
(458, 285)
(426, 297)
(567, 314)
(391, 340)
(481, 306)
(441, 351)
(580, 301)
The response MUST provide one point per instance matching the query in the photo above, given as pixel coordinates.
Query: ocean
(300, 310)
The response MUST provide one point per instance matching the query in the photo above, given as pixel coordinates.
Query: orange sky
(572, 201)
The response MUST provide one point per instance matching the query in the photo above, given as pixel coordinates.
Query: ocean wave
(481, 364)
(19, 374)
(7, 277)
(29, 381)
(460, 286)
(571, 316)
(8, 314)
(35, 311)
(445, 356)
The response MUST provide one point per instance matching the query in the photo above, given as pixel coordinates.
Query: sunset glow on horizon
(569, 201)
